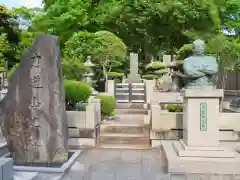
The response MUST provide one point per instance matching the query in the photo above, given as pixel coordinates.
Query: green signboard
(203, 117)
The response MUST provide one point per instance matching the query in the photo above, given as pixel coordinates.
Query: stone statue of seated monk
(200, 70)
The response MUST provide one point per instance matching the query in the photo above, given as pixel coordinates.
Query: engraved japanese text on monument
(203, 116)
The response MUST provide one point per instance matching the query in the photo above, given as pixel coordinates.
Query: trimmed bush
(108, 105)
(175, 108)
(149, 76)
(76, 91)
(115, 74)
(156, 65)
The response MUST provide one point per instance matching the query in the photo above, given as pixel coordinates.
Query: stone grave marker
(133, 76)
(33, 116)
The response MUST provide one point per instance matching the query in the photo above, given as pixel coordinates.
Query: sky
(19, 3)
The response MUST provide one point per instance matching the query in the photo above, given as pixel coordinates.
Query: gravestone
(133, 76)
(166, 80)
(33, 116)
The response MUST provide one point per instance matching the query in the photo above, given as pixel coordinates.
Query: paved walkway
(107, 164)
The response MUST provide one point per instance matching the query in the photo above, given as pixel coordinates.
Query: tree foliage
(148, 27)
(106, 49)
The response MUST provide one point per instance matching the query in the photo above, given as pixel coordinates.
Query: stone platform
(183, 150)
(201, 165)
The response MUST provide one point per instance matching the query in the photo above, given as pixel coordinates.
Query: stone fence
(169, 125)
(83, 126)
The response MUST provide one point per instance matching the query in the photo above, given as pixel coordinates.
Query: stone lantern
(89, 74)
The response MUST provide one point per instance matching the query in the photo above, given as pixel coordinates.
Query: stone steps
(124, 136)
(111, 138)
(124, 146)
(125, 128)
(130, 106)
(131, 111)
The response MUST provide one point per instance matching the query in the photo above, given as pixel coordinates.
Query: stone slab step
(131, 111)
(132, 139)
(130, 105)
(124, 146)
(119, 135)
(127, 118)
(121, 128)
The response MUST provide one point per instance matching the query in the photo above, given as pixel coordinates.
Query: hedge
(76, 91)
(108, 105)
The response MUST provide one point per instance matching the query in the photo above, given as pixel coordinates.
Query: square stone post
(149, 90)
(111, 88)
(201, 125)
(133, 76)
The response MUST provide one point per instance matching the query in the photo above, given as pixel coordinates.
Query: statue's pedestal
(199, 150)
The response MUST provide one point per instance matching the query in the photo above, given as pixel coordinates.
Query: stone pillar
(149, 90)
(111, 87)
(92, 113)
(133, 76)
(201, 125)
(167, 60)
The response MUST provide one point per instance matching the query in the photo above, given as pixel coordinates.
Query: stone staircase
(127, 130)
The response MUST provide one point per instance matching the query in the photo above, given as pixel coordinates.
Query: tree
(9, 33)
(105, 48)
(231, 16)
(153, 25)
(73, 69)
(65, 17)
(4, 47)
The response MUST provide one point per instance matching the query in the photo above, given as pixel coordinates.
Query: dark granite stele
(48, 168)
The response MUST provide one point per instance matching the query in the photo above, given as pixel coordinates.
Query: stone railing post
(155, 114)
(149, 90)
(111, 87)
(90, 115)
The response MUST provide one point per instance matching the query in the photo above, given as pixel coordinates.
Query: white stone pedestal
(199, 149)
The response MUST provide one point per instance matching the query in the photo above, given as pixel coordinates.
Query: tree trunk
(33, 115)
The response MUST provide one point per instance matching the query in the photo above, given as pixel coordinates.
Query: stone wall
(169, 125)
(83, 126)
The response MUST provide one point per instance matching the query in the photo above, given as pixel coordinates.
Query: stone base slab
(64, 168)
(6, 169)
(183, 165)
(193, 151)
(201, 148)
(18, 175)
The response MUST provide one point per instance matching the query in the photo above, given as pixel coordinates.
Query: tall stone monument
(133, 76)
(199, 151)
(33, 116)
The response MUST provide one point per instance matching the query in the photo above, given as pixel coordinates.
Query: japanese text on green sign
(203, 117)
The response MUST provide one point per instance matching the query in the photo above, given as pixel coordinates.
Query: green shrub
(156, 65)
(175, 108)
(149, 76)
(76, 91)
(108, 105)
(115, 74)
